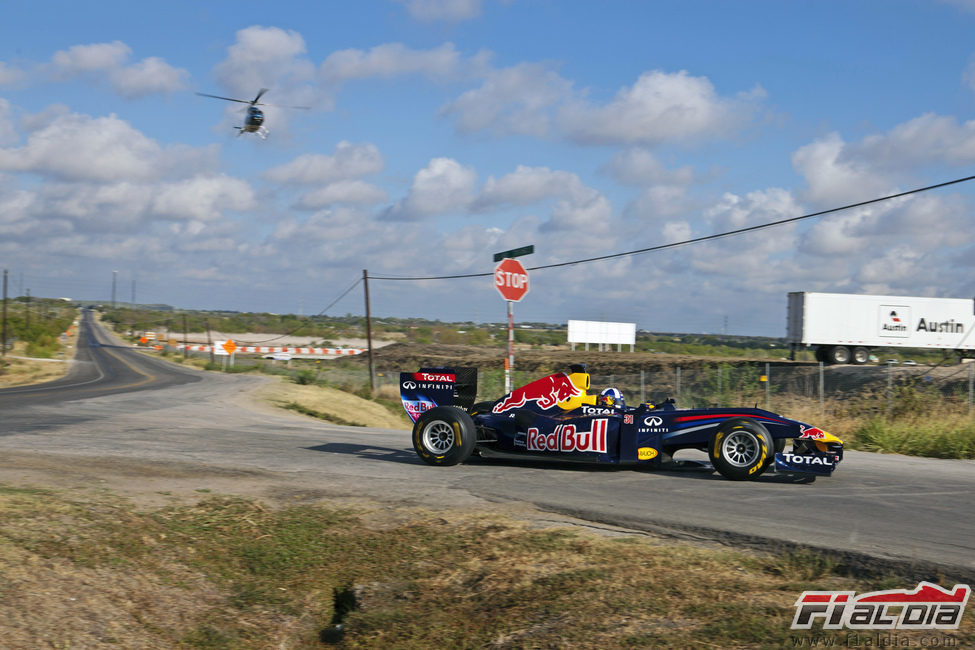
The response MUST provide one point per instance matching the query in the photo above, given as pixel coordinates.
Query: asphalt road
(121, 406)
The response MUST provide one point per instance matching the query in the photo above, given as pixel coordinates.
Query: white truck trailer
(845, 327)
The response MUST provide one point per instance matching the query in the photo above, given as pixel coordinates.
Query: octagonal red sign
(511, 279)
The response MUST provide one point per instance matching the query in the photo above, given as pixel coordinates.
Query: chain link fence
(762, 384)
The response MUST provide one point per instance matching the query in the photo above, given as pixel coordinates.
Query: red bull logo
(812, 433)
(545, 392)
(566, 438)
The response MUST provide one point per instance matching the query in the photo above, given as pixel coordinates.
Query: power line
(325, 309)
(695, 240)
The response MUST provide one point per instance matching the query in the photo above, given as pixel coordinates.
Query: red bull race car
(555, 418)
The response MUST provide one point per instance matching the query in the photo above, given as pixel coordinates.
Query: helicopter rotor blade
(261, 92)
(229, 99)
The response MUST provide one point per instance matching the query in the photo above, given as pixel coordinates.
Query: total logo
(799, 459)
(430, 376)
(566, 438)
(596, 410)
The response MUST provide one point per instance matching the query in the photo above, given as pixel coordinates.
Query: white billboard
(601, 333)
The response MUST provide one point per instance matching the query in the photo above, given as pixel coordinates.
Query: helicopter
(254, 121)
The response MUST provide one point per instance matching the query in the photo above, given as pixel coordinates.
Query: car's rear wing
(429, 387)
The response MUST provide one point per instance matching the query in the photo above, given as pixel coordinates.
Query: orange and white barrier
(276, 350)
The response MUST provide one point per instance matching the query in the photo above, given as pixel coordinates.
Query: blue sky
(442, 131)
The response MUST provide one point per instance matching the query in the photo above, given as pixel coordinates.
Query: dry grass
(22, 371)
(88, 570)
(333, 405)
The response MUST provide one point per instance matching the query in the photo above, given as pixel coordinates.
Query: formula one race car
(554, 418)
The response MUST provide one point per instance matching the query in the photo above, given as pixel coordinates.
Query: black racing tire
(839, 354)
(444, 435)
(740, 450)
(778, 446)
(861, 355)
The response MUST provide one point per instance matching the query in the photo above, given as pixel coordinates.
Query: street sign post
(511, 281)
(515, 252)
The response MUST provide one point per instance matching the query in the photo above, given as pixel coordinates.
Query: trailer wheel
(839, 354)
(861, 355)
(821, 354)
(740, 450)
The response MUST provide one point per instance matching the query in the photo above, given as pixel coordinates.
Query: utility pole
(3, 343)
(372, 372)
(114, 277)
(185, 353)
(206, 321)
(27, 309)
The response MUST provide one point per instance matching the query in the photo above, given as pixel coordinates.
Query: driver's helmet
(612, 397)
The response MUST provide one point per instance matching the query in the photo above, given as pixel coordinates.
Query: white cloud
(10, 75)
(445, 10)
(658, 107)
(78, 147)
(147, 77)
(395, 59)
(108, 61)
(528, 185)
(345, 191)
(924, 139)
(348, 161)
(834, 179)
(8, 130)
(81, 59)
(265, 57)
(638, 166)
(443, 186)
(204, 198)
(514, 100)
(658, 201)
(81, 148)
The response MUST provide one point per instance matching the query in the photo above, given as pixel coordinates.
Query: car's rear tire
(741, 449)
(444, 435)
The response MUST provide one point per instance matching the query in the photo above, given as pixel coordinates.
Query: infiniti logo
(409, 385)
(653, 421)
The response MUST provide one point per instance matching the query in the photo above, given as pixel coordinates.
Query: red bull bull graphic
(545, 393)
(813, 433)
(566, 438)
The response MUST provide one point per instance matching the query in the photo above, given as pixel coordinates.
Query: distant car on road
(909, 363)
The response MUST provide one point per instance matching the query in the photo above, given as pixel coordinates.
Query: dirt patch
(330, 404)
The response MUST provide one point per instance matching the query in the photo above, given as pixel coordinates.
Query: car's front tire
(741, 450)
(444, 435)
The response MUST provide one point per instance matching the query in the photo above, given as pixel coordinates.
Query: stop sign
(511, 279)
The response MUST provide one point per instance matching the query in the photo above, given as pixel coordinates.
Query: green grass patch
(942, 437)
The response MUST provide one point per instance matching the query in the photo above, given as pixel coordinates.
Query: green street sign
(515, 252)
